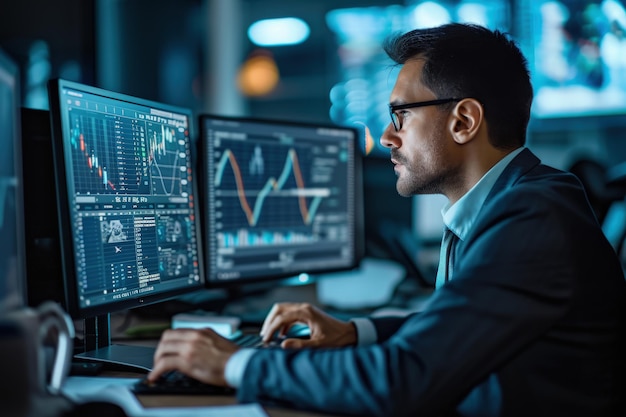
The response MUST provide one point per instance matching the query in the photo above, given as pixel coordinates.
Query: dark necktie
(444, 271)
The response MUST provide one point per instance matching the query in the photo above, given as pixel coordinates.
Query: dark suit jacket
(531, 324)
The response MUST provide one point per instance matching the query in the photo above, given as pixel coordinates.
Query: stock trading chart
(131, 181)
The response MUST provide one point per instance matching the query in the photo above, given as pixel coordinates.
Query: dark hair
(465, 60)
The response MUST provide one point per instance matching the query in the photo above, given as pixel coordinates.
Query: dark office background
(189, 52)
(171, 50)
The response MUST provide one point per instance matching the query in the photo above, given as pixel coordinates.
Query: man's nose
(389, 138)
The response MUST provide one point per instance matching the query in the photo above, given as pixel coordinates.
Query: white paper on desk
(117, 390)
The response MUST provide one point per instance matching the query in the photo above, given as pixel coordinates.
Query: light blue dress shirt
(458, 217)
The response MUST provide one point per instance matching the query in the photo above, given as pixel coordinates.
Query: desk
(195, 400)
(204, 400)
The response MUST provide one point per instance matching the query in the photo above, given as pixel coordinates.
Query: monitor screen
(126, 199)
(280, 199)
(12, 286)
(576, 56)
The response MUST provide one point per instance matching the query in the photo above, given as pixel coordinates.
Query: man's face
(422, 151)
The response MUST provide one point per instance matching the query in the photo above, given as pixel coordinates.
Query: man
(529, 315)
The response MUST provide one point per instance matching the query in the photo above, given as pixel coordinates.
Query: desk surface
(204, 400)
(201, 400)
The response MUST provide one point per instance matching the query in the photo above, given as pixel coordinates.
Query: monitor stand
(98, 347)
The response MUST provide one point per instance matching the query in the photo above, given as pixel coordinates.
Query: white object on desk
(223, 325)
(371, 285)
(117, 390)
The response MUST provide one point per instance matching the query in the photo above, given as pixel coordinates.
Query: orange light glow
(258, 76)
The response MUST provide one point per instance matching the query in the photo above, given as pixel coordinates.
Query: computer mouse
(298, 331)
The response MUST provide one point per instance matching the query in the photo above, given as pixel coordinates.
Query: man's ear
(466, 119)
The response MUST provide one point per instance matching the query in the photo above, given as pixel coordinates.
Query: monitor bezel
(59, 127)
(357, 209)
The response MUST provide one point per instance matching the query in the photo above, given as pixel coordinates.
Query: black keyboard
(248, 340)
(175, 382)
(253, 340)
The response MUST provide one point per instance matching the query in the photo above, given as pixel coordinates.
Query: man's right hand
(326, 331)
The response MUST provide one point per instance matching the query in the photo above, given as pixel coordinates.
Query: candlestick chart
(123, 155)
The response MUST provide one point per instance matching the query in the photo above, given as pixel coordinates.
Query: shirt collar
(460, 216)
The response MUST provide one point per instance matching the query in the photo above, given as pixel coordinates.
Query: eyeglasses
(397, 121)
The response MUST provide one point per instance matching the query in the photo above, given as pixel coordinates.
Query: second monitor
(280, 199)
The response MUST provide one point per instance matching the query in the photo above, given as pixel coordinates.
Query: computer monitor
(280, 199)
(575, 53)
(126, 198)
(12, 286)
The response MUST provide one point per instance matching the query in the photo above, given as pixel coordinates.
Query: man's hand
(200, 354)
(326, 331)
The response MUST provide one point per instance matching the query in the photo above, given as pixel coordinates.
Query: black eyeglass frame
(395, 119)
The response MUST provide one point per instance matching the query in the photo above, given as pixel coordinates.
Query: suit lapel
(516, 169)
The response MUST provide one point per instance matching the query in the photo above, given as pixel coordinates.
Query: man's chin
(402, 191)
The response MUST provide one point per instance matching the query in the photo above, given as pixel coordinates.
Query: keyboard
(253, 340)
(247, 340)
(175, 383)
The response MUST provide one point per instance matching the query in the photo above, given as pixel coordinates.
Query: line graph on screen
(274, 186)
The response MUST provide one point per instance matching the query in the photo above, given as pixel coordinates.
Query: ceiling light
(277, 32)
